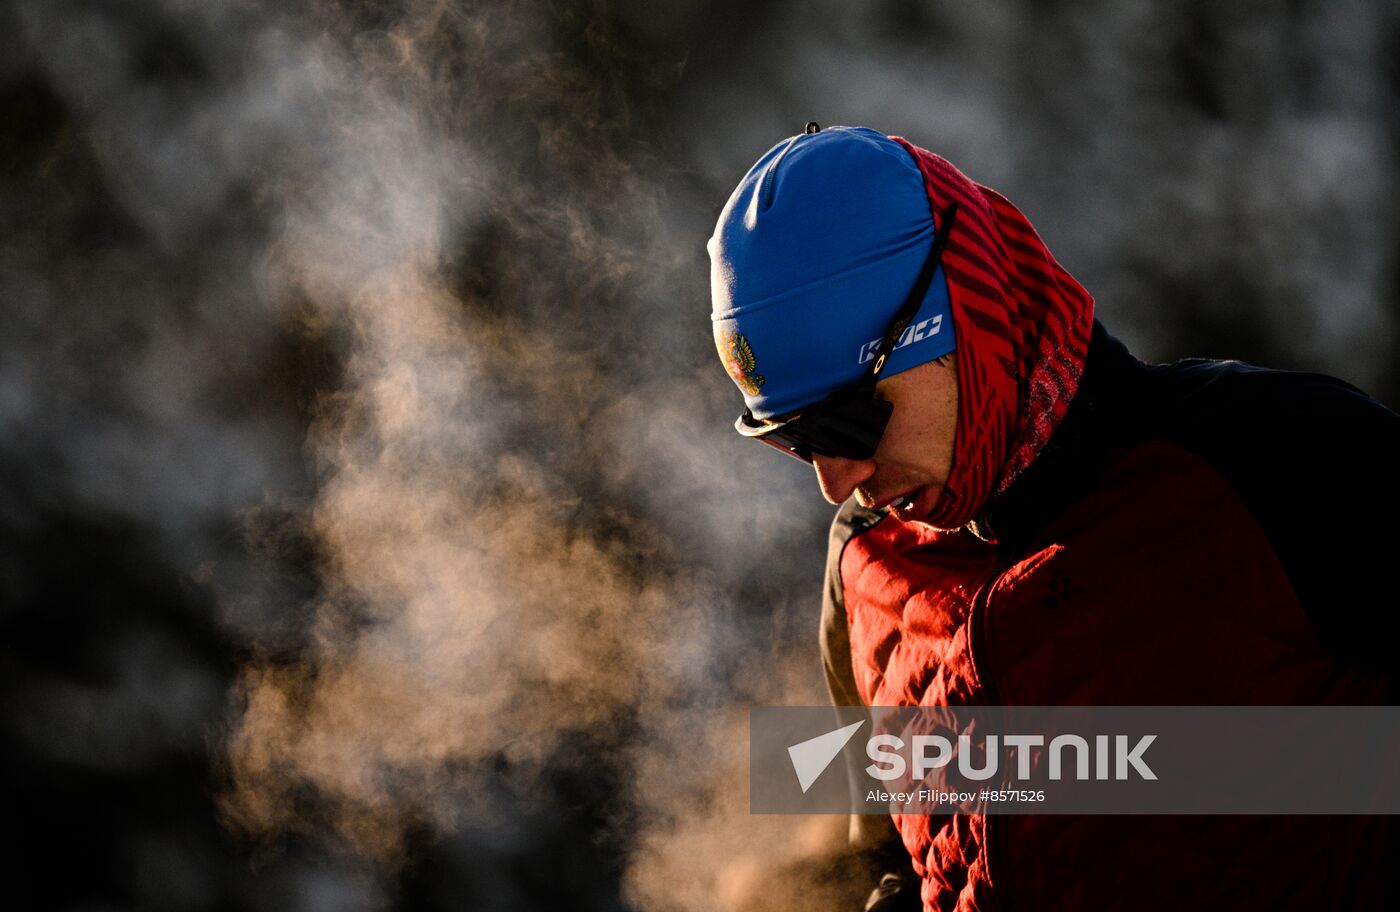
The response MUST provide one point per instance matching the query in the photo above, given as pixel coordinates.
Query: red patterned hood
(1022, 326)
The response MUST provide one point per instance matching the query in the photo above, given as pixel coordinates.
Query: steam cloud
(528, 527)
(495, 574)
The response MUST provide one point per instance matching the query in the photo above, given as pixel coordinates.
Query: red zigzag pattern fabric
(1022, 325)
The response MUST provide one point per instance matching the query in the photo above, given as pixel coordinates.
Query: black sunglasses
(849, 422)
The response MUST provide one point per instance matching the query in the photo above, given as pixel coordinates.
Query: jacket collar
(1100, 422)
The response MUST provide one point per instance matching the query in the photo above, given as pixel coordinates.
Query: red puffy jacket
(1199, 533)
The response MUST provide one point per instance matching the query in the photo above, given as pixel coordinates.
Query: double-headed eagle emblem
(737, 355)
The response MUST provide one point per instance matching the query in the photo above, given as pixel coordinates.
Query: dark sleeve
(874, 837)
(1318, 463)
(835, 631)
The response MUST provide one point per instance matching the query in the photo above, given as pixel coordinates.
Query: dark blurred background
(372, 532)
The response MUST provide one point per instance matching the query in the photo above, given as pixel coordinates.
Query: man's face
(916, 451)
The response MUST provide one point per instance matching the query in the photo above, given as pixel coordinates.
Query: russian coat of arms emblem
(738, 358)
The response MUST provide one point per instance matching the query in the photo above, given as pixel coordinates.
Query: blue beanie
(814, 253)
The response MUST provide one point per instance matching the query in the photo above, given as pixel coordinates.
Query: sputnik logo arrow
(810, 758)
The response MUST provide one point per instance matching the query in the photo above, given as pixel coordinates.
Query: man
(1032, 516)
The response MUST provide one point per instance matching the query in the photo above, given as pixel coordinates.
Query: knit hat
(812, 257)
